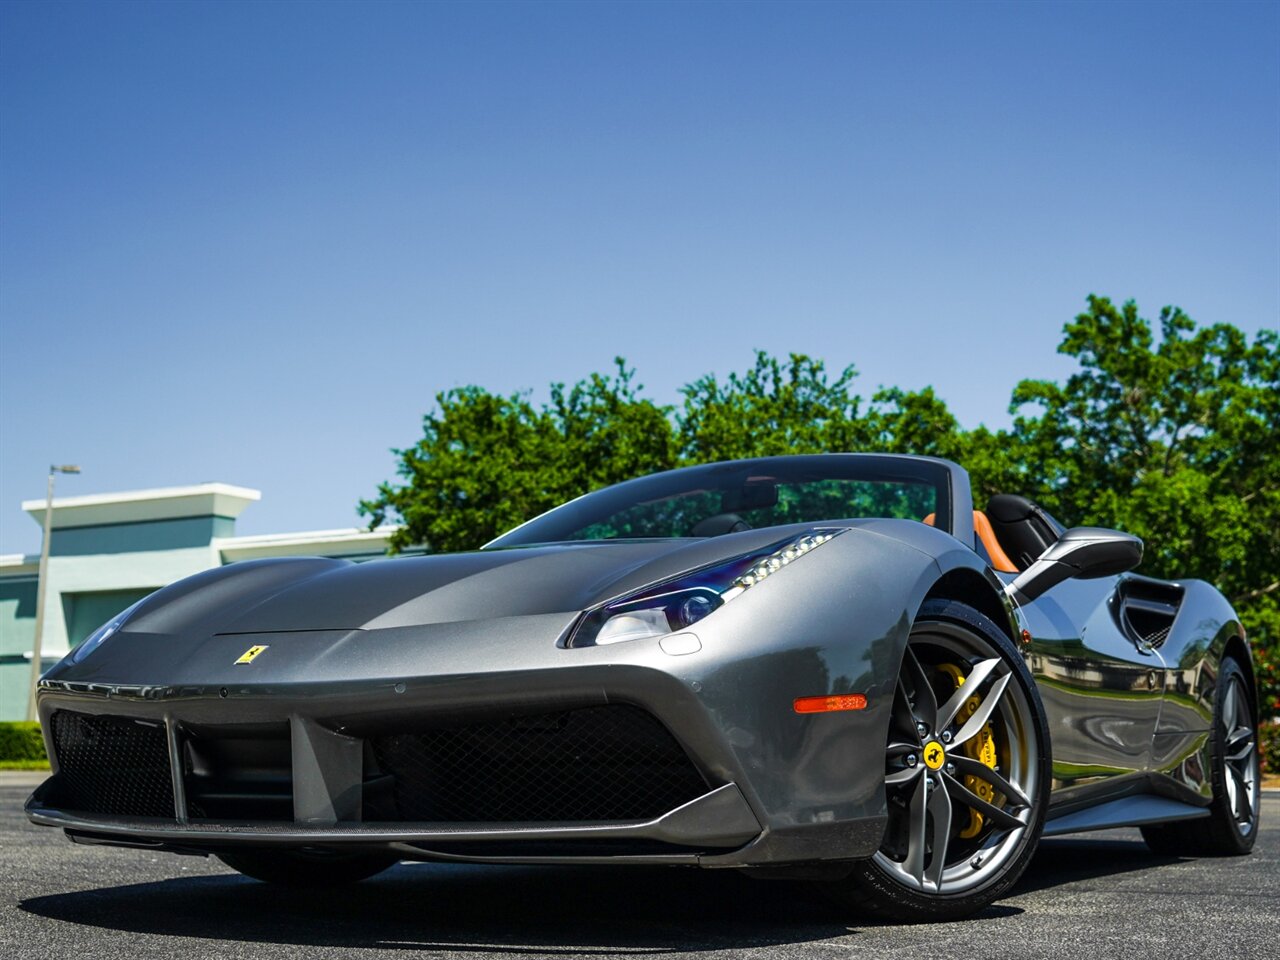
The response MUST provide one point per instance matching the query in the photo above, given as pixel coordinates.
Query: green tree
(916, 422)
(1173, 438)
(779, 407)
(487, 462)
(773, 408)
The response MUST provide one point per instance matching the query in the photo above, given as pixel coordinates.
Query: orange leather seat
(982, 527)
(987, 534)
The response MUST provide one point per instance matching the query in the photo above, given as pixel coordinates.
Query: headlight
(101, 635)
(676, 604)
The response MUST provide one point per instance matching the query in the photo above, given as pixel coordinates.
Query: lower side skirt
(1134, 811)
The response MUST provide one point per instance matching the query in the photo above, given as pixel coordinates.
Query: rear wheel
(1232, 825)
(966, 773)
(306, 868)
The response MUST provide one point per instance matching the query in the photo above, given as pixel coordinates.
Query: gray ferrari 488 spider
(820, 667)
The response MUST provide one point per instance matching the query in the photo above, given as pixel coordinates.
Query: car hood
(302, 594)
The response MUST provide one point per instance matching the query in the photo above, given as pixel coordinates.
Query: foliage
(1269, 747)
(486, 462)
(770, 410)
(21, 746)
(1266, 670)
(1177, 442)
(1174, 441)
(1167, 430)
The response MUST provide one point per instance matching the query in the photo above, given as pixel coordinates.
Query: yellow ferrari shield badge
(934, 755)
(249, 655)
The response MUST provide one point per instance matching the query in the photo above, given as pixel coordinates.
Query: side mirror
(1082, 553)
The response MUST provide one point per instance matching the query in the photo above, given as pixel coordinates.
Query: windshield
(748, 495)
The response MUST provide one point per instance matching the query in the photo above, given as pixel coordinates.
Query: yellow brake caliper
(981, 748)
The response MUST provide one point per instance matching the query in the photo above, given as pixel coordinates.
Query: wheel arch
(960, 574)
(969, 586)
(1237, 648)
(1205, 632)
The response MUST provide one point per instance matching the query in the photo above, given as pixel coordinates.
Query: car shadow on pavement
(460, 907)
(1062, 860)
(547, 910)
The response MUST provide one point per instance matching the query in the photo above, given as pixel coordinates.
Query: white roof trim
(344, 535)
(133, 506)
(330, 542)
(12, 564)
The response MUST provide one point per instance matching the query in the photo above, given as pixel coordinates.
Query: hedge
(21, 746)
(1269, 747)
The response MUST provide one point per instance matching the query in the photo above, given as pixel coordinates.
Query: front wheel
(306, 868)
(967, 773)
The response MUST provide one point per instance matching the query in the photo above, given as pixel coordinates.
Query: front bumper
(327, 743)
(781, 788)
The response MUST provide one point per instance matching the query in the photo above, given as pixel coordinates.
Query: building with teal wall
(108, 550)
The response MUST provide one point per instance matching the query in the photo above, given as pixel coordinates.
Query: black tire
(878, 885)
(1226, 832)
(305, 868)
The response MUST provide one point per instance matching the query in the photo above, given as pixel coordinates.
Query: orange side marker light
(847, 701)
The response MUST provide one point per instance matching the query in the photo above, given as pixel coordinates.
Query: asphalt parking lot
(1100, 895)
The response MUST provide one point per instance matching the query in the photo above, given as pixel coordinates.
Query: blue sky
(250, 242)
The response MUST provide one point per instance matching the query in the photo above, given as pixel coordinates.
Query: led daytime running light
(774, 562)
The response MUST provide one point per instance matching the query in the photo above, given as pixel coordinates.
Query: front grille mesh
(614, 762)
(112, 765)
(608, 763)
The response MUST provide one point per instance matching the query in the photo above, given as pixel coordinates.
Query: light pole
(43, 584)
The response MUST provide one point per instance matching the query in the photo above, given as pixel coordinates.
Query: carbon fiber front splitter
(716, 821)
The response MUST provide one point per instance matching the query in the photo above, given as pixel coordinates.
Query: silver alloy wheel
(925, 767)
(1240, 757)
